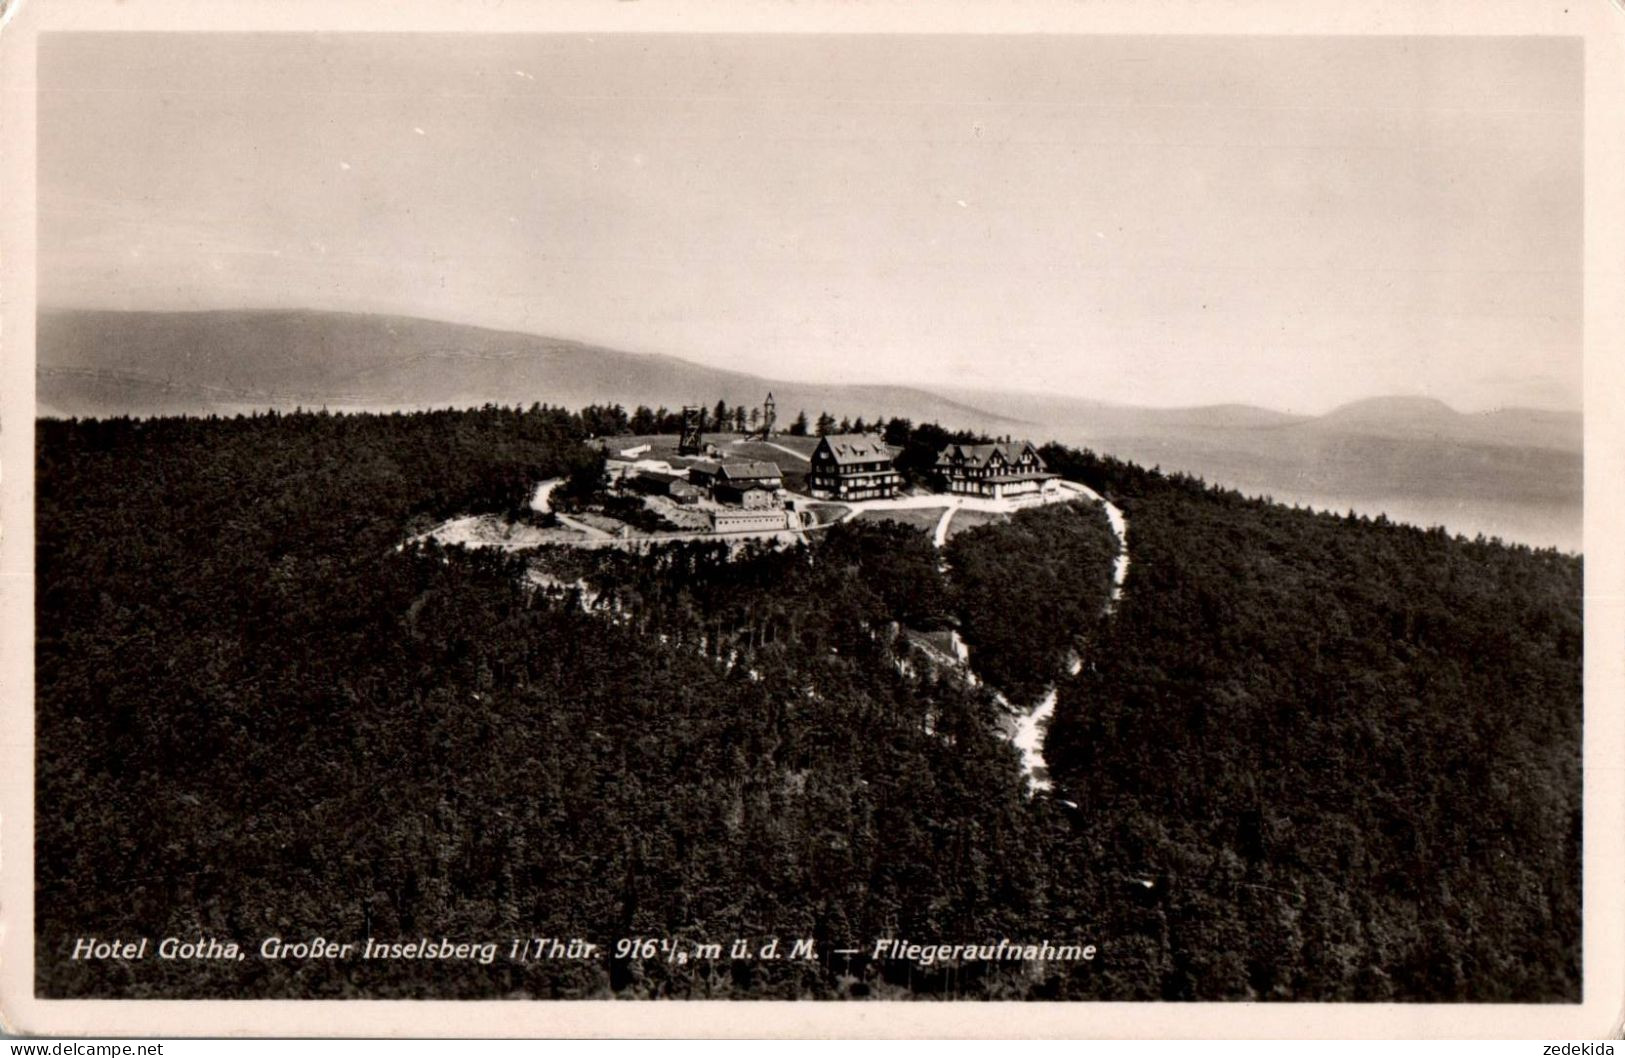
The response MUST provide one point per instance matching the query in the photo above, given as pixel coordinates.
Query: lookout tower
(690, 441)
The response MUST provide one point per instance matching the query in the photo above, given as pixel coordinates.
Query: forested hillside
(1346, 753)
(1305, 757)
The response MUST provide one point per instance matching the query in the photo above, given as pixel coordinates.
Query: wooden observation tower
(691, 440)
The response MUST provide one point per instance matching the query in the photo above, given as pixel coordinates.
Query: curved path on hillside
(1031, 728)
(542, 499)
(1114, 515)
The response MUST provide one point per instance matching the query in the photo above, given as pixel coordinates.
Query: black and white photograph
(1009, 520)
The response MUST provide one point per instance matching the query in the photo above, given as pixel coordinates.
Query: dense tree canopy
(1031, 591)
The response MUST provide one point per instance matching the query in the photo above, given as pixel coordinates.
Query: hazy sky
(1293, 222)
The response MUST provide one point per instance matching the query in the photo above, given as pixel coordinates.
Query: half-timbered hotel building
(995, 471)
(852, 467)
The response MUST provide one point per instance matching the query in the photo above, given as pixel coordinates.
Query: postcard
(812, 519)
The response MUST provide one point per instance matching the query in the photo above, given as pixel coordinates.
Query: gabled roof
(977, 455)
(751, 469)
(855, 448)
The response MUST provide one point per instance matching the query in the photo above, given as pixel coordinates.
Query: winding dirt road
(1032, 727)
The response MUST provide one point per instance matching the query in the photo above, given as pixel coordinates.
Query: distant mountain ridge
(95, 362)
(1427, 417)
(1396, 417)
(1513, 472)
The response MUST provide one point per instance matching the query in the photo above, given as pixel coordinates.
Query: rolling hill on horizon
(1513, 472)
(97, 362)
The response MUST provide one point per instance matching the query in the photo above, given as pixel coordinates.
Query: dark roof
(856, 448)
(750, 470)
(976, 455)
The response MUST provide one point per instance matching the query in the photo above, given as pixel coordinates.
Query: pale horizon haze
(1288, 222)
